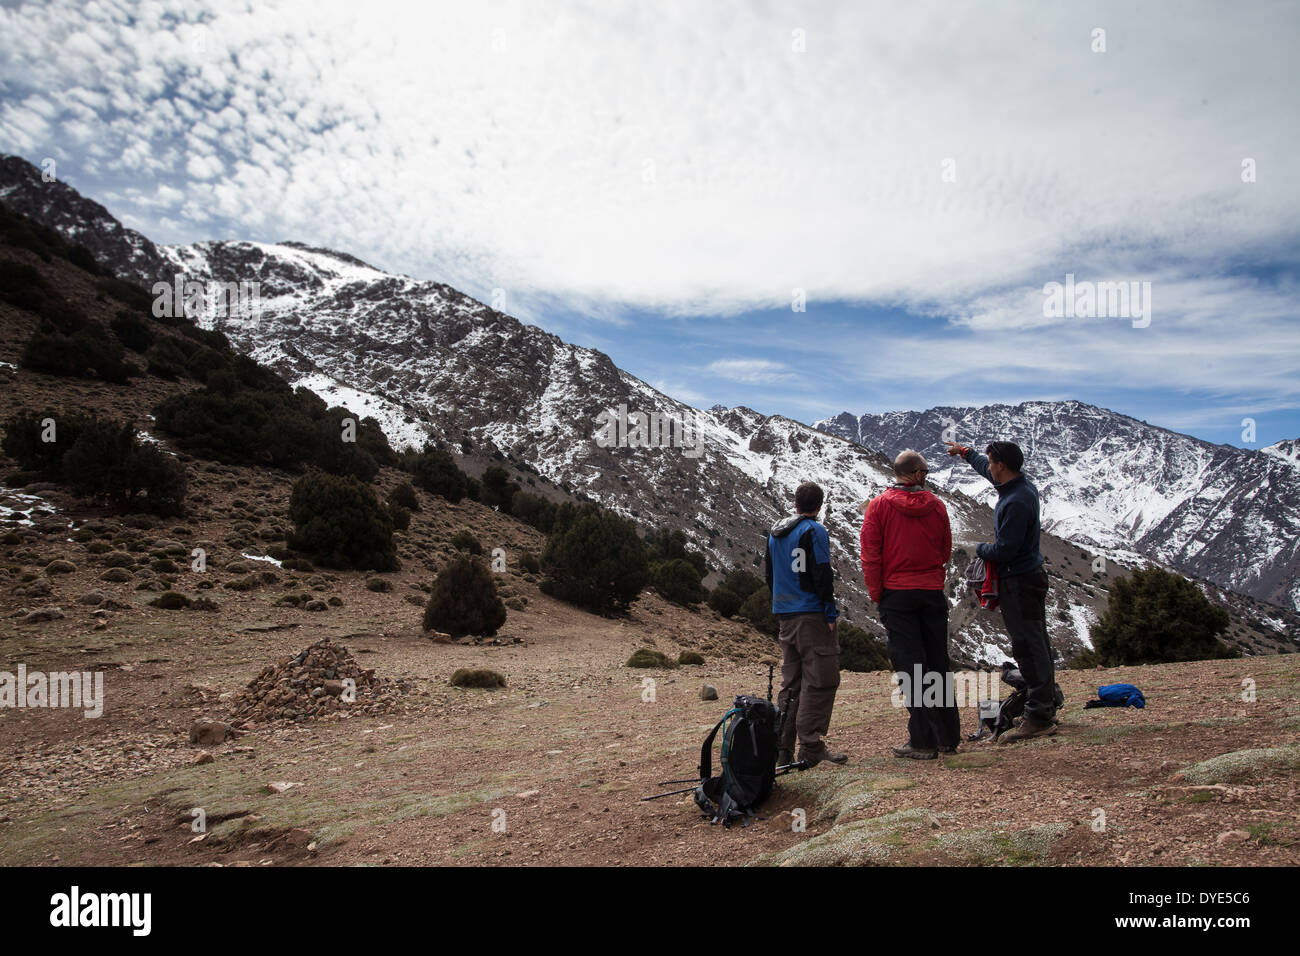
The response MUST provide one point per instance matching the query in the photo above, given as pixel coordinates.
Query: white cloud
(684, 159)
(750, 371)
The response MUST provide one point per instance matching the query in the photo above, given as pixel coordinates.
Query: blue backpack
(1117, 695)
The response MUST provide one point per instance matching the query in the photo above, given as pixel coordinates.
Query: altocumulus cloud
(943, 159)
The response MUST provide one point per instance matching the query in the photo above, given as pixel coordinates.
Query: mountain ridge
(431, 363)
(1116, 482)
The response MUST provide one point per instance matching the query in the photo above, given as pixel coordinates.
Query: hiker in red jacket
(906, 542)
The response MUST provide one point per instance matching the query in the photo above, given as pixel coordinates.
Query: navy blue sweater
(1015, 520)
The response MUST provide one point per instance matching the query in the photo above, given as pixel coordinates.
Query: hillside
(420, 772)
(427, 361)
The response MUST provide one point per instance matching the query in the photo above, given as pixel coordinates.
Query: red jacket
(906, 541)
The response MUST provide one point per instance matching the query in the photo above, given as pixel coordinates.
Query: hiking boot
(951, 749)
(784, 758)
(907, 750)
(1027, 730)
(814, 757)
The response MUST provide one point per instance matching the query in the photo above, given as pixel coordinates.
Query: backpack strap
(706, 751)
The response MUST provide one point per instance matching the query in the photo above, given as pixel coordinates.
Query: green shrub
(97, 458)
(436, 472)
(170, 601)
(379, 585)
(464, 600)
(741, 583)
(859, 651)
(128, 293)
(1085, 659)
(249, 416)
(594, 559)
(109, 461)
(404, 496)
(496, 488)
(400, 516)
(725, 601)
(533, 510)
(478, 677)
(464, 541)
(670, 545)
(677, 581)
(1155, 616)
(528, 562)
(86, 353)
(690, 657)
(132, 331)
(340, 523)
(757, 609)
(645, 657)
(21, 285)
(24, 440)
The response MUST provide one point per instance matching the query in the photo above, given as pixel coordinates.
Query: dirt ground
(550, 769)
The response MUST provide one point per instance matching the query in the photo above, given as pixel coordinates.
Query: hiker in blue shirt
(800, 578)
(1022, 581)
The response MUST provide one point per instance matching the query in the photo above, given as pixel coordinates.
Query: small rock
(209, 732)
(316, 606)
(1233, 836)
(708, 692)
(202, 758)
(280, 786)
(43, 614)
(92, 598)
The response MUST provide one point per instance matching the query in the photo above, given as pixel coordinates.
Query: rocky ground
(550, 769)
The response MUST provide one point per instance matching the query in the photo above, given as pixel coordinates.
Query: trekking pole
(669, 783)
(786, 768)
(670, 793)
(770, 669)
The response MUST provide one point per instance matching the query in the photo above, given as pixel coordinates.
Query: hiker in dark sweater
(1022, 581)
(799, 575)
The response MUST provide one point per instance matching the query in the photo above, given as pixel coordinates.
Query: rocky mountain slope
(432, 363)
(1226, 514)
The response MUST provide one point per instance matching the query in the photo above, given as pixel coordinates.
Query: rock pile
(318, 683)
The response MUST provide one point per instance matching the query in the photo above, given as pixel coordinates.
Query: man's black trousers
(1023, 599)
(917, 624)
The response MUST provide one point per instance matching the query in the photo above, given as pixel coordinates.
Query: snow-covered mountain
(1287, 450)
(1229, 515)
(432, 363)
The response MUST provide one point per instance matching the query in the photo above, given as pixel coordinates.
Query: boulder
(208, 732)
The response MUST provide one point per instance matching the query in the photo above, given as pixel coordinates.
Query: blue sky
(657, 180)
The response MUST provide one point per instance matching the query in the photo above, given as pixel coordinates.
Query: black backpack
(748, 765)
(1014, 705)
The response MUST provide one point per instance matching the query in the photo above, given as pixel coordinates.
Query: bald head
(910, 467)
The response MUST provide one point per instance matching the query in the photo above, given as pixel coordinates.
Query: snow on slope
(1116, 484)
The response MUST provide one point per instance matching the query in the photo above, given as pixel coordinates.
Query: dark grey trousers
(1023, 599)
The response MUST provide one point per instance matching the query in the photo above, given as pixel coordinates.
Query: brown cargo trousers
(810, 675)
